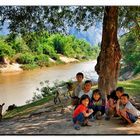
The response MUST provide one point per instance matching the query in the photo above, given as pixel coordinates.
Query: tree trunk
(108, 61)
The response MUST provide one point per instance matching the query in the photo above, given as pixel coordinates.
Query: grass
(26, 109)
(132, 87)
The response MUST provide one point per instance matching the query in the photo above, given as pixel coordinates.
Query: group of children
(90, 105)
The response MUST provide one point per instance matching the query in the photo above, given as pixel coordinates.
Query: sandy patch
(15, 67)
(67, 59)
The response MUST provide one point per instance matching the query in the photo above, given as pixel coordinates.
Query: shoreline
(16, 68)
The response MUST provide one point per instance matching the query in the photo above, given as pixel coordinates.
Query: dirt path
(54, 120)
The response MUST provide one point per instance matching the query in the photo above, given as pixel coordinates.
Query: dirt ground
(52, 119)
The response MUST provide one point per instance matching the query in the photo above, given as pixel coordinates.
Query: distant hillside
(92, 35)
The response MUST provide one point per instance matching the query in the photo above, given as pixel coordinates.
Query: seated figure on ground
(81, 113)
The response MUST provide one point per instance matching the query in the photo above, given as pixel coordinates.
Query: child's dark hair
(125, 95)
(80, 74)
(96, 91)
(88, 81)
(83, 97)
(121, 89)
(112, 95)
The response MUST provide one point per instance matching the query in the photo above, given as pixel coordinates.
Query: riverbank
(7, 68)
(15, 67)
(43, 117)
(131, 87)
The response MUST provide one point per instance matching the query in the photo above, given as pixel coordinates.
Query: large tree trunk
(108, 61)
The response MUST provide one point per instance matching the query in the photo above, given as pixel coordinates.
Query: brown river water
(17, 88)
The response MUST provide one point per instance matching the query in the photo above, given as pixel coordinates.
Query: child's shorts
(80, 118)
(132, 118)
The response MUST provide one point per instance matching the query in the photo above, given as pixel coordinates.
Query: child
(97, 104)
(77, 87)
(129, 112)
(87, 89)
(119, 93)
(111, 104)
(81, 113)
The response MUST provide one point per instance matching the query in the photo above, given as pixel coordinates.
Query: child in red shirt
(81, 113)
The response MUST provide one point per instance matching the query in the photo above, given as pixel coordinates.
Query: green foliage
(36, 48)
(24, 19)
(49, 50)
(29, 66)
(130, 46)
(18, 44)
(42, 60)
(58, 43)
(25, 58)
(137, 68)
(131, 86)
(5, 49)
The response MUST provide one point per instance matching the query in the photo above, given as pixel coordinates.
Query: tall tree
(108, 61)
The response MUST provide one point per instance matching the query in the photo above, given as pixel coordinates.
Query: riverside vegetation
(39, 49)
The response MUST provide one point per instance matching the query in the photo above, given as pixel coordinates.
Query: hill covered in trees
(37, 48)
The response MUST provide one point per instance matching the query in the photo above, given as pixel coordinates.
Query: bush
(29, 66)
(49, 50)
(42, 60)
(5, 49)
(25, 58)
(19, 45)
(137, 69)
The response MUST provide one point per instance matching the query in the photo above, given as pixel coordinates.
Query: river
(17, 88)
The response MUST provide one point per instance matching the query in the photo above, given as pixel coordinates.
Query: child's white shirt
(132, 109)
(85, 93)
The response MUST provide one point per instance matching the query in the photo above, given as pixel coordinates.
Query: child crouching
(128, 112)
(97, 104)
(81, 113)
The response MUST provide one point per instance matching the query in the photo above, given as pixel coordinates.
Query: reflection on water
(16, 88)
